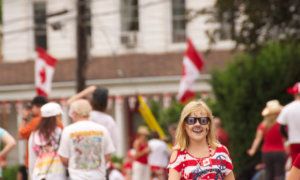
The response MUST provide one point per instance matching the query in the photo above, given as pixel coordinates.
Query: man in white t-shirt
(99, 104)
(158, 159)
(290, 117)
(85, 146)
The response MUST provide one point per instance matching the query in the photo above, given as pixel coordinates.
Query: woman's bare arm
(256, 142)
(9, 142)
(173, 174)
(82, 94)
(230, 176)
(294, 174)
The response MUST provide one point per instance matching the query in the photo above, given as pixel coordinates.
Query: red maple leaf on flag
(43, 75)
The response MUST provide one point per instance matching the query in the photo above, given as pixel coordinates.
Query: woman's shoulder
(221, 149)
(174, 155)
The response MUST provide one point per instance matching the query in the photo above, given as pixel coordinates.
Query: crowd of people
(280, 132)
(200, 146)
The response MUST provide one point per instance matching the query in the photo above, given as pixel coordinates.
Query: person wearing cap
(85, 146)
(44, 162)
(99, 104)
(273, 151)
(140, 168)
(28, 126)
(290, 117)
(159, 157)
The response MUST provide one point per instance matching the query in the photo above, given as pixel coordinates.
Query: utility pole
(82, 51)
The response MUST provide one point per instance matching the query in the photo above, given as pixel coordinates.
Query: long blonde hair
(269, 121)
(182, 138)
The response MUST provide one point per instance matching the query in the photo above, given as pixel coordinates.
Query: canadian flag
(205, 162)
(44, 70)
(192, 64)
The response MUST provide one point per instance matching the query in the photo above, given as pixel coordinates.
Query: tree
(244, 87)
(252, 23)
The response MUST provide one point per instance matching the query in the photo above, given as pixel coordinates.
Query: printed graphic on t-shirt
(87, 146)
(205, 169)
(47, 159)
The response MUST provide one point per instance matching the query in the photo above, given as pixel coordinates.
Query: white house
(136, 47)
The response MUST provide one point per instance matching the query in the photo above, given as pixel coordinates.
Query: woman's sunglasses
(193, 120)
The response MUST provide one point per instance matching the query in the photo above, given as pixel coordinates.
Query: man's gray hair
(81, 107)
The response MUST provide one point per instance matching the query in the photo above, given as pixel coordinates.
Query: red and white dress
(215, 167)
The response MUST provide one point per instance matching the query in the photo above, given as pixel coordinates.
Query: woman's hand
(256, 142)
(251, 152)
(147, 150)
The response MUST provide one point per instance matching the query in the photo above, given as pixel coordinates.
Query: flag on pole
(192, 65)
(44, 70)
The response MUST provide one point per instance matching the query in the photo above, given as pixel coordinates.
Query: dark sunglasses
(193, 120)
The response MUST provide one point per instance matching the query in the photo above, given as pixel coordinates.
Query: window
(178, 21)
(40, 28)
(225, 26)
(129, 15)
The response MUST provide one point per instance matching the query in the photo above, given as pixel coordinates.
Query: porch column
(21, 143)
(119, 115)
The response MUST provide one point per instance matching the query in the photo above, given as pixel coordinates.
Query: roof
(133, 65)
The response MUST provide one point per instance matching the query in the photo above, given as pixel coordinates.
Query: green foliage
(245, 86)
(116, 159)
(252, 23)
(10, 173)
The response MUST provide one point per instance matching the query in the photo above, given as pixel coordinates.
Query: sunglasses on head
(193, 120)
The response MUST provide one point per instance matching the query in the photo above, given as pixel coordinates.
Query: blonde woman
(273, 152)
(197, 155)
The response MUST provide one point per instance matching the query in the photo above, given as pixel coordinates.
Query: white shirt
(43, 165)
(116, 175)
(85, 143)
(160, 153)
(290, 116)
(106, 121)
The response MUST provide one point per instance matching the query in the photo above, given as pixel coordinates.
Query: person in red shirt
(295, 172)
(27, 127)
(197, 155)
(221, 134)
(140, 168)
(273, 151)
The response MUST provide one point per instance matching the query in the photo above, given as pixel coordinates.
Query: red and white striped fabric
(44, 70)
(214, 168)
(192, 65)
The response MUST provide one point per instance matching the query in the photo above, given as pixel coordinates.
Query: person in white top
(85, 146)
(158, 159)
(99, 105)
(290, 117)
(44, 163)
(114, 172)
